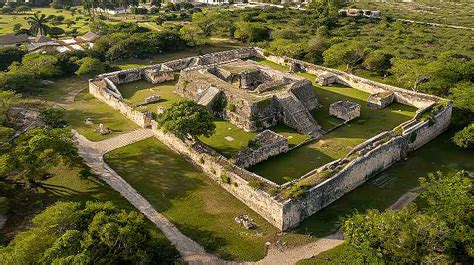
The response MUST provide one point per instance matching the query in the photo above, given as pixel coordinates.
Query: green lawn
(384, 189)
(337, 143)
(135, 93)
(239, 138)
(86, 106)
(7, 21)
(188, 198)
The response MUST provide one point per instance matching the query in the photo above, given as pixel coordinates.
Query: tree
(207, 22)
(349, 54)
(38, 150)
(53, 118)
(465, 137)
(55, 32)
(90, 66)
(7, 100)
(187, 119)
(38, 23)
(378, 61)
(411, 72)
(442, 233)
(251, 32)
(94, 233)
(191, 33)
(22, 9)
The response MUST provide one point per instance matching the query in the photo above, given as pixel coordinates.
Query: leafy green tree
(348, 54)
(38, 24)
(465, 137)
(8, 98)
(378, 61)
(192, 34)
(90, 66)
(251, 32)
(207, 22)
(53, 117)
(97, 233)
(411, 72)
(23, 9)
(38, 150)
(187, 119)
(442, 233)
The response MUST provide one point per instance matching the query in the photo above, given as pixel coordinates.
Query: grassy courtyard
(198, 206)
(229, 139)
(136, 92)
(337, 143)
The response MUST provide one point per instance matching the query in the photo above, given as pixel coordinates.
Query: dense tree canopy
(94, 233)
(441, 233)
(187, 118)
(465, 137)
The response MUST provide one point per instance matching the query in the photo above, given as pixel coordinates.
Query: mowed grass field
(7, 21)
(198, 206)
(337, 143)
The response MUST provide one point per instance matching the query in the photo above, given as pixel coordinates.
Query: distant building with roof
(13, 40)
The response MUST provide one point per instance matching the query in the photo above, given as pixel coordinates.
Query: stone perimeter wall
(290, 213)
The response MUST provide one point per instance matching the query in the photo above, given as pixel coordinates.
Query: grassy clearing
(385, 189)
(337, 143)
(198, 206)
(86, 106)
(241, 138)
(8, 21)
(136, 92)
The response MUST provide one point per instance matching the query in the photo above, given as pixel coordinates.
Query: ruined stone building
(252, 96)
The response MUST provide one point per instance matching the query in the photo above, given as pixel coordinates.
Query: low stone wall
(216, 165)
(402, 96)
(140, 118)
(362, 168)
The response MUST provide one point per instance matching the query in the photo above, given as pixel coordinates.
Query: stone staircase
(208, 96)
(295, 115)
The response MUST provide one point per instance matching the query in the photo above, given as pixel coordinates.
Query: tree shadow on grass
(156, 172)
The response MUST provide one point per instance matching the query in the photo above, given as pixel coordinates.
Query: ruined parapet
(380, 100)
(345, 110)
(295, 67)
(326, 79)
(265, 145)
(251, 79)
(157, 76)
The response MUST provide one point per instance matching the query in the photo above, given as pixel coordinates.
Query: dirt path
(92, 153)
(434, 24)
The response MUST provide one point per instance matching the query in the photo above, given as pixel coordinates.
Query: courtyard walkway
(191, 251)
(93, 152)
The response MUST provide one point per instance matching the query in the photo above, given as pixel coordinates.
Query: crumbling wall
(363, 167)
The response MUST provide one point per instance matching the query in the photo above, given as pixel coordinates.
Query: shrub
(294, 191)
(53, 118)
(465, 137)
(225, 178)
(255, 184)
(273, 191)
(90, 66)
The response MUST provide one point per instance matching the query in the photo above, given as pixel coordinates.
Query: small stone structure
(102, 130)
(246, 222)
(326, 79)
(265, 145)
(345, 110)
(380, 100)
(152, 99)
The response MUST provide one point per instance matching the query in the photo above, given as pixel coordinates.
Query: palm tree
(38, 24)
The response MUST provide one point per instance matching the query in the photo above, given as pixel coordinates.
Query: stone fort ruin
(258, 97)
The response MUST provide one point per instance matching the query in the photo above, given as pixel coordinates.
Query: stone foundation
(345, 110)
(380, 100)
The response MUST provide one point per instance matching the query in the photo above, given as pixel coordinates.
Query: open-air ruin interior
(259, 93)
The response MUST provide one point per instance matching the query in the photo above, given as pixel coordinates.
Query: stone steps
(297, 116)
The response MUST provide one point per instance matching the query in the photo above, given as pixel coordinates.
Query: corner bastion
(274, 202)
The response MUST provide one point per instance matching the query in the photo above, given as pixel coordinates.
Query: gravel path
(92, 153)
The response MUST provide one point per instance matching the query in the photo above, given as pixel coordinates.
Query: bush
(90, 66)
(465, 137)
(256, 184)
(225, 178)
(53, 118)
